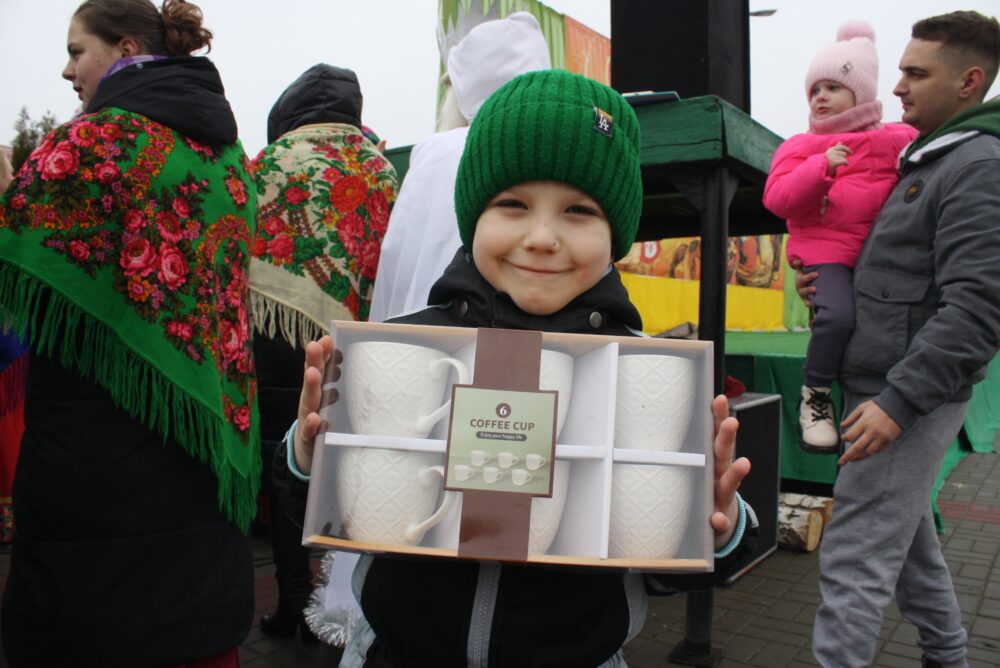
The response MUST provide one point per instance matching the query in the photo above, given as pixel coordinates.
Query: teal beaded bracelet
(290, 447)
(741, 525)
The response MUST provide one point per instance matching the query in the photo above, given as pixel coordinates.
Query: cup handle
(415, 532)
(428, 421)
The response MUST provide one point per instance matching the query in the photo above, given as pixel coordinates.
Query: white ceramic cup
(650, 510)
(520, 477)
(534, 462)
(506, 459)
(389, 496)
(492, 474)
(655, 401)
(546, 513)
(556, 373)
(479, 457)
(397, 389)
(463, 472)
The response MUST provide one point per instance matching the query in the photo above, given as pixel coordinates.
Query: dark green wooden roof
(683, 141)
(686, 139)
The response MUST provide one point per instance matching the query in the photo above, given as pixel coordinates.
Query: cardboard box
(586, 441)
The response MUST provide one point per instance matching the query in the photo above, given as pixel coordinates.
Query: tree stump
(823, 504)
(799, 528)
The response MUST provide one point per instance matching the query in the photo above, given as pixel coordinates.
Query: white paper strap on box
(385, 442)
(580, 451)
(437, 445)
(628, 456)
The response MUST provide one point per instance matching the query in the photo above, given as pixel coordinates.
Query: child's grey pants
(882, 538)
(832, 324)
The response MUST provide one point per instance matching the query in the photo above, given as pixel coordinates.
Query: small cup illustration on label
(492, 474)
(506, 459)
(535, 462)
(479, 457)
(463, 472)
(520, 477)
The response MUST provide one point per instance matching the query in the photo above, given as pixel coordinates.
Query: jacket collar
(184, 94)
(982, 119)
(605, 308)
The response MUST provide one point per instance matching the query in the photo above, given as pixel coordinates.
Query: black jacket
(185, 94)
(423, 611)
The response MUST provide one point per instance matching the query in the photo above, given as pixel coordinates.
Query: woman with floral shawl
(124, 249)
(324, 196)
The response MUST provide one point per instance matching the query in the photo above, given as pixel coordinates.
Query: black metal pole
(714, 246)
(696, 647)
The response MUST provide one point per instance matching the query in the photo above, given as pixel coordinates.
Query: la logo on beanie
(603, 122)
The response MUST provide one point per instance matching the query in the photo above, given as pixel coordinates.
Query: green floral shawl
(123, 254)
(325, 192)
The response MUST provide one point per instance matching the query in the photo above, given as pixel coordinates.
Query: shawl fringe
(271, 317)
(81, 343)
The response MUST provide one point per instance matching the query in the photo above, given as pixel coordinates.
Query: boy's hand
(728, 473)
(836, 156)
(804, 282)
(318, 354)
(870, 430)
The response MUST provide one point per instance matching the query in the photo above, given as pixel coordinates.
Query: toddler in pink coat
(829, 184)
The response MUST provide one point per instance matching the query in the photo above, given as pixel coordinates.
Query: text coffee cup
(397, 389)
(654, 403)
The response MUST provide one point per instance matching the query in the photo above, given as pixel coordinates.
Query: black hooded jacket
(323, 94)
(184, 94)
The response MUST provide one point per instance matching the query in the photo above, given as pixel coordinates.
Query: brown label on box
(495, 523)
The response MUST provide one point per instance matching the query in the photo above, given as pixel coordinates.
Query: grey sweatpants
(882, 538)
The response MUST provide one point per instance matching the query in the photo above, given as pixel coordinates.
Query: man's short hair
(974, 38)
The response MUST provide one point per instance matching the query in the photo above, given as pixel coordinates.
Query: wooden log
(823, 504)
(799, 528)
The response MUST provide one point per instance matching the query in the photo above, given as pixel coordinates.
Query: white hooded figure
(422, 237)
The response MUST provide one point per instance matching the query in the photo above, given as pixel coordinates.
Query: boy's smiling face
(544, 243)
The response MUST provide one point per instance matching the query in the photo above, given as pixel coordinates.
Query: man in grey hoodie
(927, 324)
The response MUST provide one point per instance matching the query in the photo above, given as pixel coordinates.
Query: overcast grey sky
(262, 45)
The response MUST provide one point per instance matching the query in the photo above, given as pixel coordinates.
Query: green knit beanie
(553, 125)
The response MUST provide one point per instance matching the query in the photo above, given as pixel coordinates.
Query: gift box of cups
(602, 457)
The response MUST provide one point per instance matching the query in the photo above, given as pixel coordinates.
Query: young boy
(548, 194)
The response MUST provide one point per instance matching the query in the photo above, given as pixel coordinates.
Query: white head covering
(492, 54)
(423, 233)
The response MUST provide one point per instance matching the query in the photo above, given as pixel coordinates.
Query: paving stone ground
(765, 618)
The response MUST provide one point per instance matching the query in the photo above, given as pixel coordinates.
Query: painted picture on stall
(752, 261)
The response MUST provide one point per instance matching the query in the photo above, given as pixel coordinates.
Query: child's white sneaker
(817, 431)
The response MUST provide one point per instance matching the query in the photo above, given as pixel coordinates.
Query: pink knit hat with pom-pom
(850, 61)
